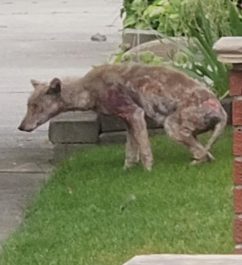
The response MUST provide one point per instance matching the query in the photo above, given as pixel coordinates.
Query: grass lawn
(92, 212)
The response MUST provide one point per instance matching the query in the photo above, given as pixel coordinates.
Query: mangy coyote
(182, 105)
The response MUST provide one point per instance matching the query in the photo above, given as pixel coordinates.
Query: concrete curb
(186, 260)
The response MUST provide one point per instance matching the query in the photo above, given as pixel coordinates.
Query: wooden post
(229, 50)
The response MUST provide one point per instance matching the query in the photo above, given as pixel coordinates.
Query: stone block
(112, 137)
(114, 124)
(134, 37)
(229, 49)
(228, 45)
(120, 137)
(74, 127)
(158, 131)
(164, 48)
(64, 151)
(111, 123)
(151, 124)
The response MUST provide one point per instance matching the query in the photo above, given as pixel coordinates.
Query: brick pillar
(236, 93)
(229, 50)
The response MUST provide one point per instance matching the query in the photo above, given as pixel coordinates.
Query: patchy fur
(181, 104)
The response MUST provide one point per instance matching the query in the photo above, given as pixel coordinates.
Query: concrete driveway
(41, 40)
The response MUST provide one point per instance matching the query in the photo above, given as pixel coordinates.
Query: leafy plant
(201, 59)
(171, 17)
(133, 10)
(146, 57)
(161, 15)
(203, 23)
(235, 20)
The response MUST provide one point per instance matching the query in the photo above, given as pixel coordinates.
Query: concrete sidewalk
(41, 40)
(171, 259)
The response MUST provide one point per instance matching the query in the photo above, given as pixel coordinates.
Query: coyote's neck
(75, 96)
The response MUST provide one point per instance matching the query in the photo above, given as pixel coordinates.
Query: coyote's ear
(54, 87)
(35, 83)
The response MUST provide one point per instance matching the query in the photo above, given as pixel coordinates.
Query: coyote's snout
(183, 106)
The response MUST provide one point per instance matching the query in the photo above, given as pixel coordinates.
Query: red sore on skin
(212, 104)
(119, 103)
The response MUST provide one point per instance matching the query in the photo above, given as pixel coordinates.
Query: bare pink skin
(182, 105)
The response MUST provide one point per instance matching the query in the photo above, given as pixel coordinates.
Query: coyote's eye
(34, 106)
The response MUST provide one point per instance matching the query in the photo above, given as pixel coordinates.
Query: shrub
(171, 17)
(202, 22)
(201, 59)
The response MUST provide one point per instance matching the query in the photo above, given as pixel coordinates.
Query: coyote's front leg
(115, 101)
(138, 133)
(132, 155)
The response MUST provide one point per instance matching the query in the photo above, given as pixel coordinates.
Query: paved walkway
(186, 260)
(40, 40)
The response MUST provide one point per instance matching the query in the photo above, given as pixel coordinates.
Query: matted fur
(181, 104)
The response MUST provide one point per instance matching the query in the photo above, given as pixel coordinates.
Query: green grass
(91, 212)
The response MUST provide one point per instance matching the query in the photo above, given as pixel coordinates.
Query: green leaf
(235, 22)
(129, 21)
(154, 11)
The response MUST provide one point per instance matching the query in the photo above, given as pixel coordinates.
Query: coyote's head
(44, 103)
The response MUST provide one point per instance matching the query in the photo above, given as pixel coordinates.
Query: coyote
(182, 105)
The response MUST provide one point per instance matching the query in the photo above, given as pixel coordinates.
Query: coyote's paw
(207, 158)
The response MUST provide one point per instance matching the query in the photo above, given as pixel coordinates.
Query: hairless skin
(182, 105)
